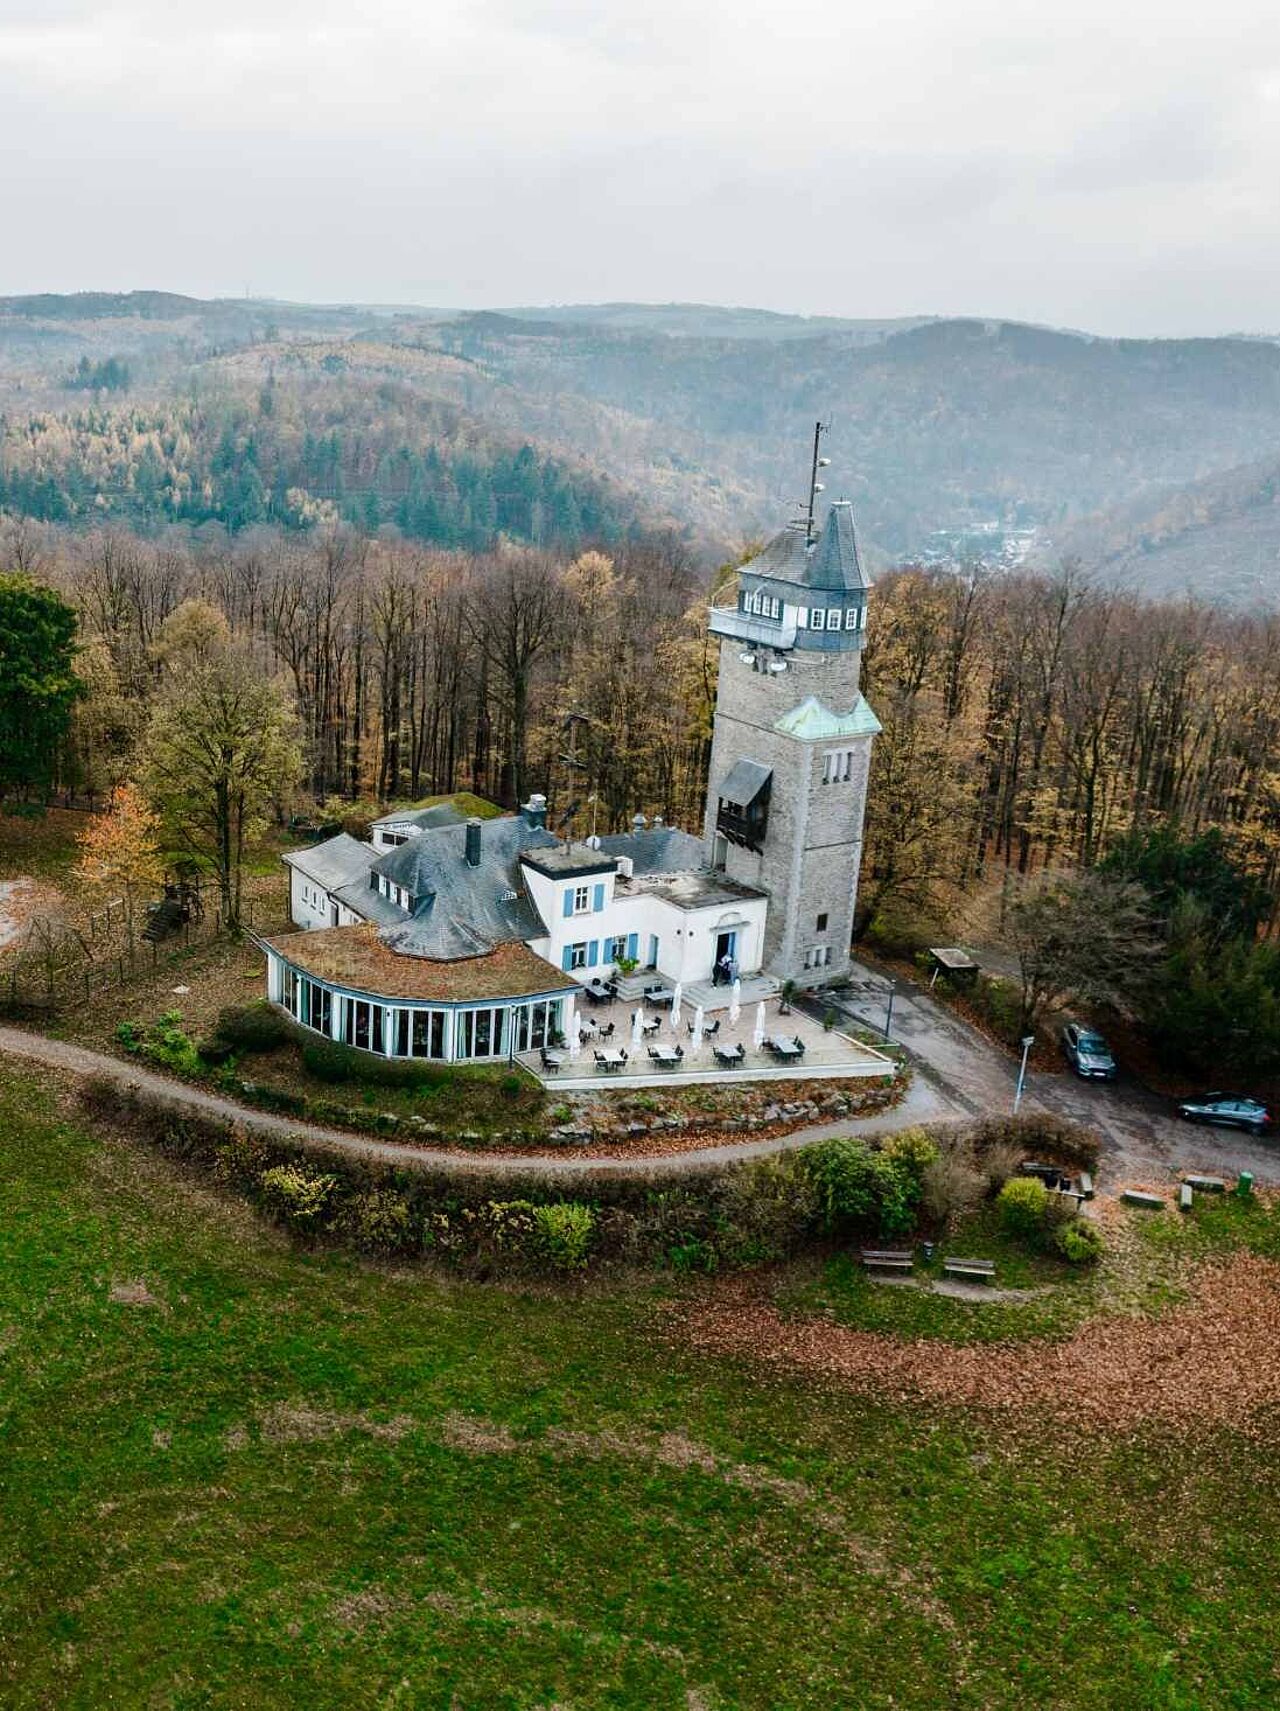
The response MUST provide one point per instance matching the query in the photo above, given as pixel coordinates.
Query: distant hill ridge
(703, 414)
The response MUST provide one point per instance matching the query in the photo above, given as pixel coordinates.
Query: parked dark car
(1088, 1053)
(1234, 1110)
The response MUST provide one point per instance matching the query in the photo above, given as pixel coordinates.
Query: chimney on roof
(535, 810)
(473, 843)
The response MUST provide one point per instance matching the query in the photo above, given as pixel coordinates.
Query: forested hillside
(595, 425)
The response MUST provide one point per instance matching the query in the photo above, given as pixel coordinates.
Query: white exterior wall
(686, 937)
(309, 904)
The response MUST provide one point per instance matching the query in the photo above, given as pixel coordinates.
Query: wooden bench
(1206, 1184)
(1086, 1185)
(977, 1270)
(1186, 1197)
(887, 1259)
(1139, 1197)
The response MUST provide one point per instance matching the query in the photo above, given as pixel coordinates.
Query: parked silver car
(1088, 1053)
(1235, 1110)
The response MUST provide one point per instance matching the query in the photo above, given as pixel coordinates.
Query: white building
(468, 939)
(457, 940)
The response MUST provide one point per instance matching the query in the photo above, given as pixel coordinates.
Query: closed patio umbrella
(637, 1027)
(695, 1039)
(676, 996)
(735, 1003)
(757, 1039)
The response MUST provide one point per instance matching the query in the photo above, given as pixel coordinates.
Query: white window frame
(582, 899)
(817, 618)
(851, 618)
(578, 955)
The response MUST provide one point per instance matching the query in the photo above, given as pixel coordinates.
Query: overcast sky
(1110, 166)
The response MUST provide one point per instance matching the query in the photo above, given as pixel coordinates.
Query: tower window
(833, 618)
(837, 766)
(822, 923)
(851, 618)
(817, 618)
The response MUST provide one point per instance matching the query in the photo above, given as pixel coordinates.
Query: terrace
(823, 1054)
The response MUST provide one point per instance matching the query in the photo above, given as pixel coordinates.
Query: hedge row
(710, 1216)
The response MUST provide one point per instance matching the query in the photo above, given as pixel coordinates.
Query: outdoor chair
(550, 1061)
(606, 1033)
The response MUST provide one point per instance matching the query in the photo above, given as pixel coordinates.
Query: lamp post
(888, 1015)
(1028, 1040)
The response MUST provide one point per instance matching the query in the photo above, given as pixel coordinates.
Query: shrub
(998, 1164)
(950, 1187)
(858, 1187)
(379, 1220)
(912, 1149)
(338, 1064)
(564, 1232)
(131, 1035)
(252, 1027)
(1023, 1203)
(511, 1086)
(1040, 1135)
(300, 1196)
(1079, 1241)
(215, 1053)
(167, 1045)
(767, 1208)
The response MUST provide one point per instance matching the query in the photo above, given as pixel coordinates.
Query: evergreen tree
(38, 685)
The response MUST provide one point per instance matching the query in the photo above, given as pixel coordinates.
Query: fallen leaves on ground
(1215, 1360)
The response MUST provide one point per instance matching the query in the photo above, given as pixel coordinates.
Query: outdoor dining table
(667, 1056)
(785, 1048)
(597, 990)
(613, 1059)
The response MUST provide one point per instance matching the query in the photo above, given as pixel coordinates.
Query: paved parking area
(1142, 1137)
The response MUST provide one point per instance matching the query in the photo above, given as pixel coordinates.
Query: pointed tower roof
(831, 564)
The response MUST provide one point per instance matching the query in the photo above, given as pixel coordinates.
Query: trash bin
(1244, 1184)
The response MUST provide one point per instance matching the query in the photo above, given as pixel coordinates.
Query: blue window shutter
(593, 953)
(633, 946)
(566, 961)
(568, 901)
(599, 896)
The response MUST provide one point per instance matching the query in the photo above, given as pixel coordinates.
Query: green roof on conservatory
(813, 722)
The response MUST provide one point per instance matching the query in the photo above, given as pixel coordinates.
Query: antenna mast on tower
(815, 486)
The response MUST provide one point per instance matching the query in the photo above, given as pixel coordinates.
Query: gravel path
(922, 1104)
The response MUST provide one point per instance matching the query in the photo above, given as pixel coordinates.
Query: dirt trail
(919, 1106)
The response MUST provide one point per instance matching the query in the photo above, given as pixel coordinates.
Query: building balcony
(746, 627)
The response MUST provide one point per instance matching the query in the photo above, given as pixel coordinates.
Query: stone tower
(791, 746)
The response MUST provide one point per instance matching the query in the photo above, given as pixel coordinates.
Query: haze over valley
(956, 439)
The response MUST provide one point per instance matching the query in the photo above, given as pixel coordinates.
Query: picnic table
(785, 1049)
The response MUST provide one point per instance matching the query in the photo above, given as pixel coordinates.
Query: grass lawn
(238, 1474)
(1148, 1264)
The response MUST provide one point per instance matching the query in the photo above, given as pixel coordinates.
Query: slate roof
(831, 565)
(335, 863)
(463, 911)
(359, 960)
(660, 849)
(747, 778)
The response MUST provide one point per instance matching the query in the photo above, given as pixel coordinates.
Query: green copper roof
(813, 722)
